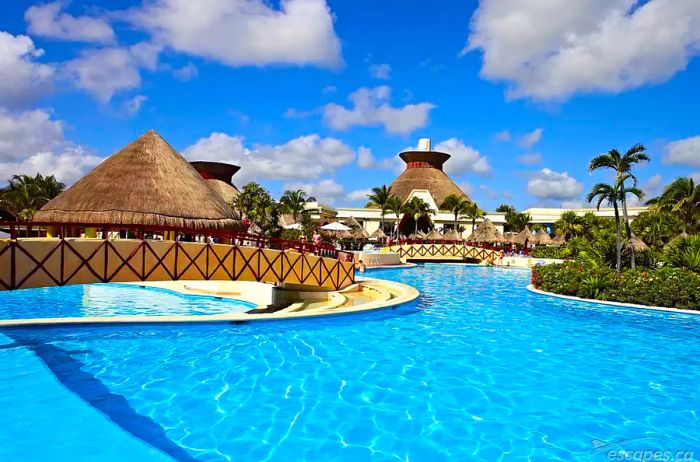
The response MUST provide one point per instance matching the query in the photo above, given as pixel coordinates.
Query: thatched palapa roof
(559, 239)
(522, 236)
(486, 232)
(434, 235)
(638, 245)
(377, 234)
(360, 233)
(424, 172)
(541, 238)
(351, 222)
(146, 183)
(452, 235)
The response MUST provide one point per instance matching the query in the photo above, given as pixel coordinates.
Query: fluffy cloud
(133, 105)
(371, 107)
(684, 152)
(244, 32)
(359, 195)
(365, 159)
(31, 142)
(106, 71)
(325, 191)
(652, 187)
(47, 20)
(22, 79)
(552, 49)
(302, 158)
(380, 71)
(528, 140)
(527, 159)
(548, 184)
(464, 158)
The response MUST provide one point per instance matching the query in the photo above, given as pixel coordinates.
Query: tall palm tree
(474, 213)
(417, 207)
(569, 224)
(520, 221)
(602, 192)
(294, 201)
(378, 199)
(622, 165)
(457, 205)
(681, 196)
(26, 194)
(395, 206)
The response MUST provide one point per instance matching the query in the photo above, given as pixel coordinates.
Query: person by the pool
(360, 266)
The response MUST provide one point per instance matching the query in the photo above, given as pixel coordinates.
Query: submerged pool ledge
(532, 288)
(402, 294)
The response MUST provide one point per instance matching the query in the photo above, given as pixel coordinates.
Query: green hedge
(669, 287)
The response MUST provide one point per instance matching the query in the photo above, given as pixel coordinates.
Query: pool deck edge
(532, 289)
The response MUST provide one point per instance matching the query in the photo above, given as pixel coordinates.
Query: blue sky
(323, 95)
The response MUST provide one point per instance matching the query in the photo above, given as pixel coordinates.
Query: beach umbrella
(434, 235)
(638, 245)
(452, 235)
(486, 232)
(542, 238)
(378, 234)
(360, 233)
(352, 223)
(559, 240)
(522, 237)
(335, 226)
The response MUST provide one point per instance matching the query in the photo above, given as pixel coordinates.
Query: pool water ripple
(477, 369)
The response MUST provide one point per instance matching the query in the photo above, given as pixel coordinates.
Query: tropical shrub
(666, 286)
(549, 252)
(684, 252)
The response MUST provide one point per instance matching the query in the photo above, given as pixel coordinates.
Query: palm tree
(622, 164)
(681, 196)
(457, 205)
(394, 205)
(294, 201)
(602, 192)
(569, 224)
(26, 194)
(520, 221)
(378, 199)
(417, 208)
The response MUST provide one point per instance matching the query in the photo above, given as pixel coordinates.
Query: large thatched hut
(146, 184)
(486, 232)
(424, 172)
(219, 176)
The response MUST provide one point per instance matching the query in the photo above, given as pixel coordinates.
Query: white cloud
(695, 176)
(302, 158)
(380, 71)
(47, 20)
(552, 49)
(106, 71)
(574, 204)
(325, 191)
(684, 152)
(548, 184)
(652, 187)
(328, 89)
(22, 79)
(464, 158)
(365, 159)
(133, 105)
(528, 140)
(371, 107)
(186, 72)
(245, 32)
(534, 158)
(503, 135)
(31, 142)
(359, 195)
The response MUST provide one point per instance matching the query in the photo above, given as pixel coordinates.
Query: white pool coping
(402, 294)
(532, 288)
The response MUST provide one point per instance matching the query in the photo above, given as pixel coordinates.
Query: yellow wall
(80, 261)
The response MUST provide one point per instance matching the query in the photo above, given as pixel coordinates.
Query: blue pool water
(110, 300)
(478, 369)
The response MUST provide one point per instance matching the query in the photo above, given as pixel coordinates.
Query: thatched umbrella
(412, 237)
(486, 232)
(638, 245)
(523, 236)
(344, 234)
(452, 235)
(146, 183)
(378, 234)
(541, 238)
(360, 233)
(434, 235)
(351, 222)
(559, 239)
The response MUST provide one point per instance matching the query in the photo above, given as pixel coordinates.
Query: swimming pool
(477, 369)
(109, 300)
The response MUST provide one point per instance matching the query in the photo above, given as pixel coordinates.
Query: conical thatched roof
(226, 191)
(522, 236)
(360, 233)
(412, 237)
(424, 172)
(452, 235)
(638, 245)
(559, 239)
(378, 234)
(351, 222)
(541, 238)
(434, 235)
(146, 183)
(486, 232)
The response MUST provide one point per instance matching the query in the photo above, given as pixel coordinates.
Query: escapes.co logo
(615, 450)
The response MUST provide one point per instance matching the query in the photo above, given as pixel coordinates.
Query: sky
(322, 95)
